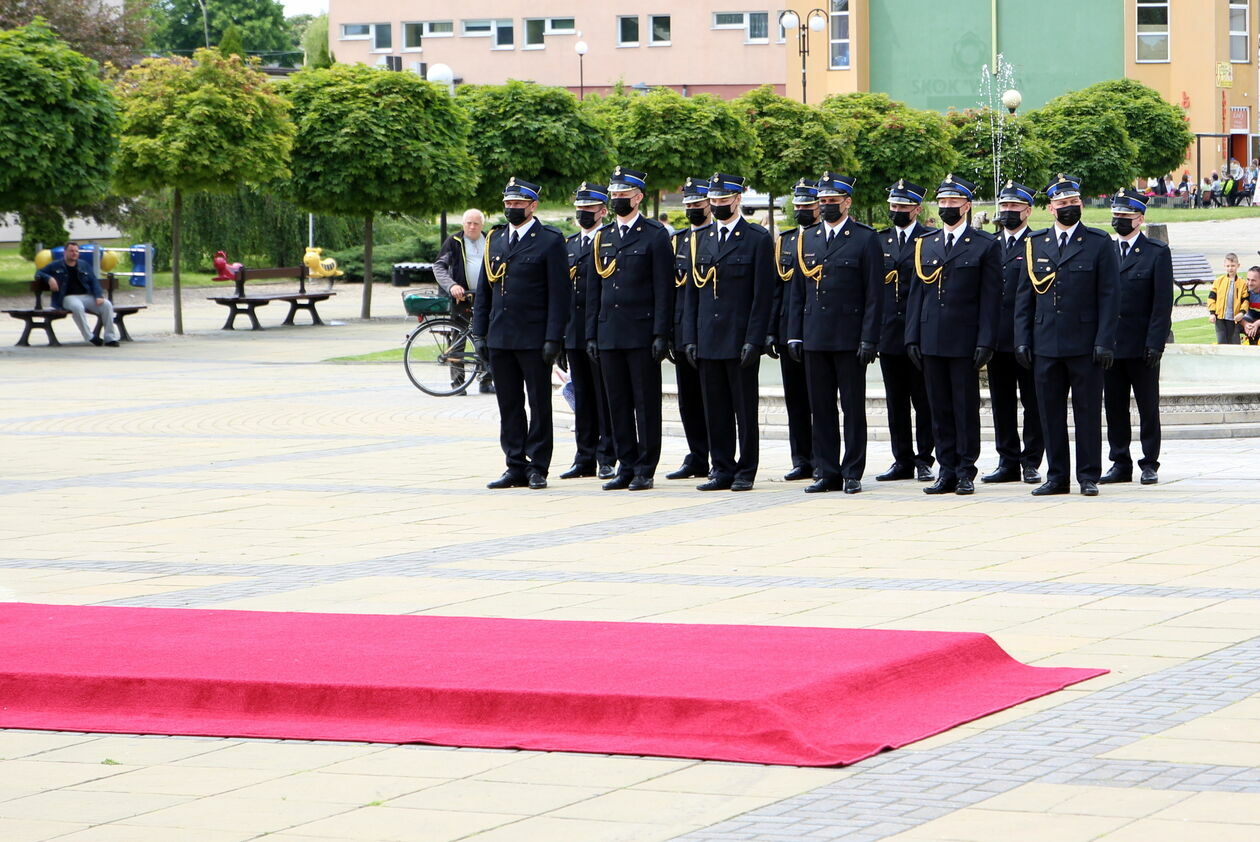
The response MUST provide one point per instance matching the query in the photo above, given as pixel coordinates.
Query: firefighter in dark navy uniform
(725, 325)
(1145, 290)
(690, 401)
(1010, 384)
(834, 329)
(951, 330)
(629, 319)
(1065, 329)
(795, 385)
(592, 429)
(904, 389)
(518, 324)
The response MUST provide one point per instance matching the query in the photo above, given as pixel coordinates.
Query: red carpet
(763, 694)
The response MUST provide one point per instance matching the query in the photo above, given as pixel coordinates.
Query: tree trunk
(656, 204)
(365, 312)
(770, 218)
(177, 221)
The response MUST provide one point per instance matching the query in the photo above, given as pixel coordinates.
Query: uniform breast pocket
(966, 262)
(528, 259)
(846, 262)
(1079, 267)
(890, 263)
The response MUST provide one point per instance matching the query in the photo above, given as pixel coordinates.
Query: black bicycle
(439, 356)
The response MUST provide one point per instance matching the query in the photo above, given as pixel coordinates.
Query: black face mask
(515, 216)
(621, 206)
(806, 217)
(900, 218)
(697, 216)
(1123, 225)
(1068, 216)
(586, 218)
(951, 216)
(1010, 220)
(723, 212)
(832, 213)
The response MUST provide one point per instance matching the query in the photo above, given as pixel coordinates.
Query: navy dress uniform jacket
(959, 312)
(1079, 310)
(734, 308)
(1014, 274)
(842, 308)
(636, 302)
(892, 335)
(781, 318)
(579, 280)
(1145, 298)
(529, 305)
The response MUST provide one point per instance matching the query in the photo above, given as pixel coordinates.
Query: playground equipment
(318, 266)
(227, 271)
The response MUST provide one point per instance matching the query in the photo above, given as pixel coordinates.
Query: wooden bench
(1189, 272)
(239, 303)
(42, 317)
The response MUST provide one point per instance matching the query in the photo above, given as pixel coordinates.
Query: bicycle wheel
(439, 358)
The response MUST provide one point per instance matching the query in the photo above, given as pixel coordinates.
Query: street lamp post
(580, 48)
(817, 22)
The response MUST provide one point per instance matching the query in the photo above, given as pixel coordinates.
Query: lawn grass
(393, 355)
(1194, 332)
(16, 275)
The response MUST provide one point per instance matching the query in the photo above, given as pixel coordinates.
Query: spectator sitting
(1218, 188)
(75, 289)
(1250, 320)
(1227, 302)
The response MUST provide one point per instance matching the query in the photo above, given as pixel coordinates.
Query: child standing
(1226, 301)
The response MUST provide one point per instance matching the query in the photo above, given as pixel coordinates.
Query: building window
(413, 36)
(503, 35)
(628, 31)
(414, 33)
(660, 31)
(729, 20)
(1152, 30)
(382, 37)
(356, 31)
(1240, 31)
(439, 28)
(534, 30)
(756, 25)
(561, 26)
(477, 28)
(840, 43)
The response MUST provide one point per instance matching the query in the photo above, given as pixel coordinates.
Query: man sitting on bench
(75, 289)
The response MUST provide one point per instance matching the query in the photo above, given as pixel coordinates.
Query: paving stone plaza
(241, 470)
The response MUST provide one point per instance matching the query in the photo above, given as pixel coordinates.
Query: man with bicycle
(458, 269)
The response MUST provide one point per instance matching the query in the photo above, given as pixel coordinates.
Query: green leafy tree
(231, 44)
(58, 131)
(671, 137)
(535, 132)
(101, 30)
(181, 26)
(210, 124)
(1087, 140)
(891, 141)
(315, 43)
(1156, 126)
(796, 141)
(1025, 157)
(370, 141)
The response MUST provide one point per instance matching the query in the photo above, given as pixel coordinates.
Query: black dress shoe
(510, 479)
(537, 480)
(97, 341)
(742, 485)
(965, 486)
(1089, 489)
(822, 485)
(579, 471)
(686, 471)
(606, 472)
(486, 387)
(1032, 476)
(1117, 474)
(1002, 474)
(1149, 476)
(1048, 488)
(943, 485)
(799, 472)
(896, 472)
(922, 473)
(852, 486)
(113, 343)
(715, 484)
(640, 484)
(618, 483)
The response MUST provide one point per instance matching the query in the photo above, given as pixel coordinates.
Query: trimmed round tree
(373, 141)
(1156, 126)
(1087, 139)
(209, 123)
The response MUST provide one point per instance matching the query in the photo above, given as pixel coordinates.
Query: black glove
(866, 353)
(772, 347)
(592, 350)
(660, 348)
(796, 350)
(982, 357)
(748, 354)
(1152, 357)
(690, 351)
(915, 355)
(551, 351)
(563, 360)
(1103, 357)
(1023, 356)
(483, 350)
